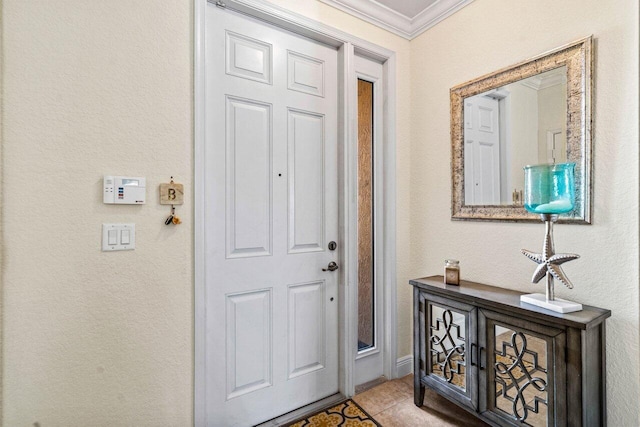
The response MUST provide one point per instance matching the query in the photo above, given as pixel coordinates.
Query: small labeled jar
(452, 272)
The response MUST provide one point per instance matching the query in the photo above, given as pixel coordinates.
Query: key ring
(172, 219)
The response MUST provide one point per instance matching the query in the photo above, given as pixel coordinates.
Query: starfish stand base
(558, 305)
(549, 266)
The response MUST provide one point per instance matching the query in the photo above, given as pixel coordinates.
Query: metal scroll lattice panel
(447, 345)
(521, 376)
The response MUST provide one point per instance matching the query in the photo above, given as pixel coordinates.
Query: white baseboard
(404, 365)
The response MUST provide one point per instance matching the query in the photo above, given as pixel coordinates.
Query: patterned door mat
(345, 414)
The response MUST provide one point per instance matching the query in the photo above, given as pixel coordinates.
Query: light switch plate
(120, 244)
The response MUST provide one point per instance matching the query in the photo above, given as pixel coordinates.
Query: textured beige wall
(491, 34)
(92, 338)
(551, 115)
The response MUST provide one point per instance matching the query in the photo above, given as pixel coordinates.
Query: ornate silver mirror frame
(577, 57)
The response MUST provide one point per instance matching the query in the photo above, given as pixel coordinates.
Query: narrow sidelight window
(366, 289)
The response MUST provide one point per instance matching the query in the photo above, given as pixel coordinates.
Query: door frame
(347, 46)
(373, 357)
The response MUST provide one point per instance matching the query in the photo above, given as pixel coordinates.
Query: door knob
(331, 267)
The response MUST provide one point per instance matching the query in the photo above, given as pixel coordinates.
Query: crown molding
(544, 82)
(395, 22)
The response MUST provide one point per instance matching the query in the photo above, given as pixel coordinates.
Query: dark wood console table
(507, 362)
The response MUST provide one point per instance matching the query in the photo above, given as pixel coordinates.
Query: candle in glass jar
(549, 188)
(452, 272)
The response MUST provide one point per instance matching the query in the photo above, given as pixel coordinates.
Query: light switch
(118, 237)
(112, 237)
(125, 239)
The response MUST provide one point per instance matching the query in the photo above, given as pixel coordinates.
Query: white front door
(271, 210)
(481, 151)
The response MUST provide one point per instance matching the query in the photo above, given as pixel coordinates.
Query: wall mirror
(537, 111)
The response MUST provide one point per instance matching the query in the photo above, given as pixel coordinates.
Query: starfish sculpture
(550, 262)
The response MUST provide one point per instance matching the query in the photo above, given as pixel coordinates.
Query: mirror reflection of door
(482, 151)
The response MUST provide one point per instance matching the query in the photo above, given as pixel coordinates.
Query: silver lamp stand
(549, 266)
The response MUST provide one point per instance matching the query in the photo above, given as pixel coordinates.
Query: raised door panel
(305, 74)
(307, 342)
(486, 119)
(488, 172)
(248, 326)
(469, 171)
(249, 156)
(306, 181)
(248, 58)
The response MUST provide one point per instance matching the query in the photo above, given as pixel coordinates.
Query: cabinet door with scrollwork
(446, 355)
(522, 364)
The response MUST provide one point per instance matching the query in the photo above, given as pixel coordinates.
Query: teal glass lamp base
(549, 188)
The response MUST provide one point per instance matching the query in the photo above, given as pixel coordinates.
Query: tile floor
(391, 404)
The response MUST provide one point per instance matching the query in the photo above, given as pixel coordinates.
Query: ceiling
(408, 8)
(406, 18)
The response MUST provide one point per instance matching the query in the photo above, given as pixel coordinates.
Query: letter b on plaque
(171, 194)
